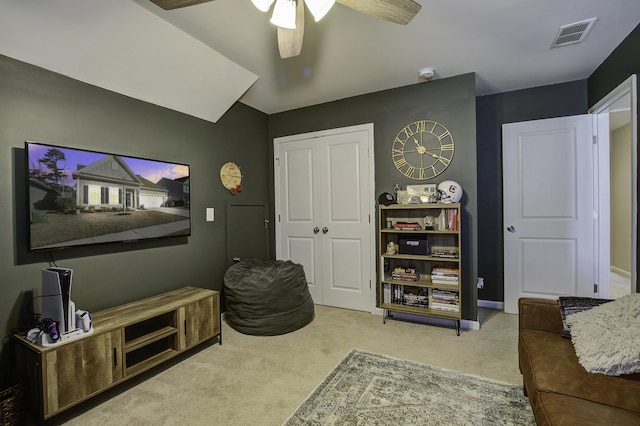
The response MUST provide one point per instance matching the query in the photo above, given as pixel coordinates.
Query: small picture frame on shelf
(402, 197)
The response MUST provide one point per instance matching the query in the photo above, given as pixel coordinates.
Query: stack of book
(405, 274)
(445, 251)
(445, 300)
(452, 219)
(445, 275)
(415, 296)
(406, 226)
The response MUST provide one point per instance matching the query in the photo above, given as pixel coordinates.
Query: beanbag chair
(267, 298)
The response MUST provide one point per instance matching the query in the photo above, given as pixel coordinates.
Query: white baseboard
(491, 304)
(619, 271)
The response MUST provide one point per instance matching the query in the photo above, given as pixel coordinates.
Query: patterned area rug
(372, 389)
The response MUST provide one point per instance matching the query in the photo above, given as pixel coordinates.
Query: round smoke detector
(426, 73)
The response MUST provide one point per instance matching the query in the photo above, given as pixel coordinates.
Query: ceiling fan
(290, 33)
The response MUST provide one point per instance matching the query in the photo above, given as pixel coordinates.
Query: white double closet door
(325, 212)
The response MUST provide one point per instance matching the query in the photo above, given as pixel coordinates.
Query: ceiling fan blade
(290, 41)
(176, 4)
(398, 11)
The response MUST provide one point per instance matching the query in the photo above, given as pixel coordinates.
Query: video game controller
(50, 327)
(83, 320)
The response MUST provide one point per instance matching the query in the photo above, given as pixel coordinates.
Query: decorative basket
(11, 399)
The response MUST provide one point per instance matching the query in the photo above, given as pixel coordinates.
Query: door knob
(511, 229)
(316, 230)
(325, 230)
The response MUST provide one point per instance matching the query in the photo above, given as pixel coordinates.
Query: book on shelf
(405, 274)
(444, 254)
(452, 219)
(402, 226)
(443, 275)
(408, 278)
(444, 282)
(415, 300)
(439, 293)
(444, 307)
(408, 295)
(445, 270)
(414, 296)
(448, 251)
(386, 298)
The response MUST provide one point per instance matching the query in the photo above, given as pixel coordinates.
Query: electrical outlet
(210, 214)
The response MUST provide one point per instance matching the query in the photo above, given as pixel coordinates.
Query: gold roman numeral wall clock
(422, 149)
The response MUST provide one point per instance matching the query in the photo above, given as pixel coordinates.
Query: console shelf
(151, 361)
(141, 341)
(127, 340)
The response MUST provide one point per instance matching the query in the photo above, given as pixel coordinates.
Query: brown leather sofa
(560, 390)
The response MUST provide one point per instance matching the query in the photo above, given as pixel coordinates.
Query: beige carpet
(251, 380)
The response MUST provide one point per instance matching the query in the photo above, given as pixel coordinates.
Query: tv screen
(79, 197)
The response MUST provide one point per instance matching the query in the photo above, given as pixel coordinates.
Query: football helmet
(449, 192)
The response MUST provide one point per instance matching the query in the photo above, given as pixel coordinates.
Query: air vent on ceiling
(573, 33)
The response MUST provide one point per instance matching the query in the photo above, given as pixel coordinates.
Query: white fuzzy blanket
(606, 338)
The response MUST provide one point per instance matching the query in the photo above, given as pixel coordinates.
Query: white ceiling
(506, 42)
(200, 60)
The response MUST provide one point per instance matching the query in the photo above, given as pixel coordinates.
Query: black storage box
(413, 246)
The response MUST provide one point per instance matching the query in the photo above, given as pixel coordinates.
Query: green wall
(43, 106)
(450, 101)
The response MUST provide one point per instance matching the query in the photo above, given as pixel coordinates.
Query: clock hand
(431, 154)
(421, 148)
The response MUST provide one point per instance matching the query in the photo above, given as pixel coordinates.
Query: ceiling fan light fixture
(319, 8)
(284, 14)
(263, 5)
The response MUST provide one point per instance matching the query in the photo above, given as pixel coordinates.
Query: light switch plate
(210, 214)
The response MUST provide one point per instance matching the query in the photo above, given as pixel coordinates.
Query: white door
(324, 212)
(548, 193)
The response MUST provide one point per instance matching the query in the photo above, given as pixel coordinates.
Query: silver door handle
(316, 230)
(325, 230)
(511, 229)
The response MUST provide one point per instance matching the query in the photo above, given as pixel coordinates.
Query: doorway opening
(616, 174)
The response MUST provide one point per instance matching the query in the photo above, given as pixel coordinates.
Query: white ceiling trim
(120, 46)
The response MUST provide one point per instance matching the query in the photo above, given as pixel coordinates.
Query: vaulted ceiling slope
(200, 59)
(118, 45)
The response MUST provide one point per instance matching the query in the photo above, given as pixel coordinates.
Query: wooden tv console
(126, 341)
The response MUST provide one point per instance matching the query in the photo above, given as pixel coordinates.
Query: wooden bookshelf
(426, 238)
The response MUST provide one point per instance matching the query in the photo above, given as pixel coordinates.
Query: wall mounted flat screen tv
(80, 197)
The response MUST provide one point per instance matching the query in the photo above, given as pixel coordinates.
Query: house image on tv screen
(103, 184)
